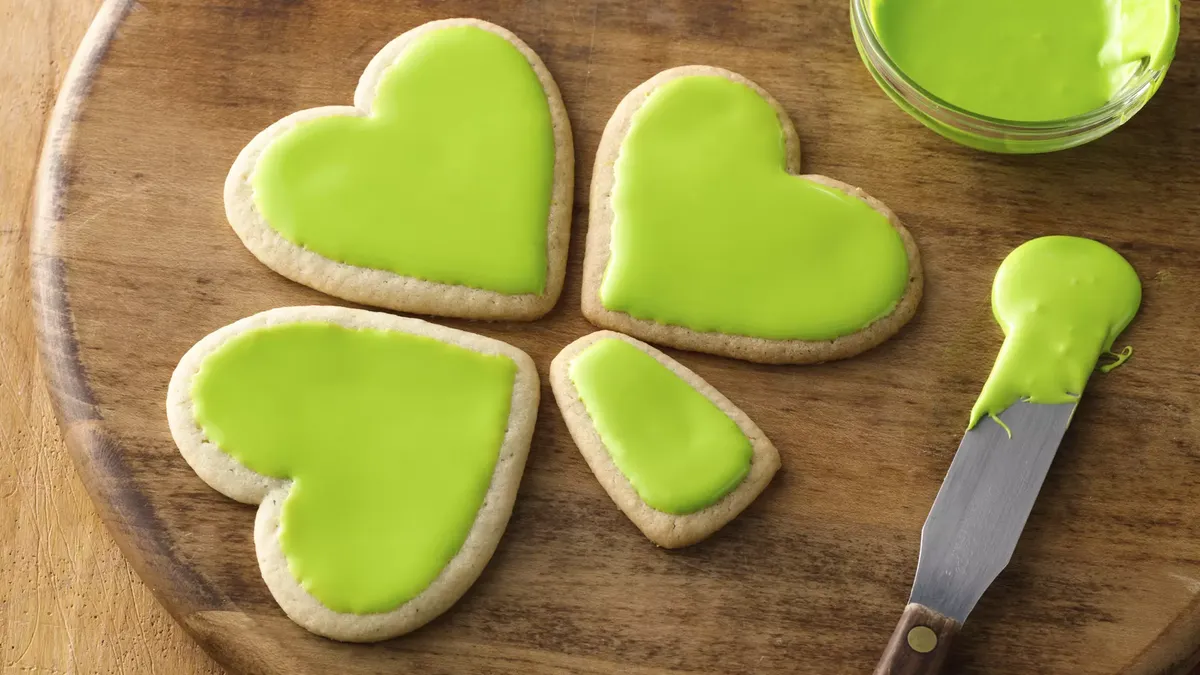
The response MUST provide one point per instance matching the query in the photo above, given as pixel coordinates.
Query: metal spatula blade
(973, 528)
(986, 498)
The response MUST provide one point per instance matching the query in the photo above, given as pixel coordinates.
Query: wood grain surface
(133, 262)
(69, 602)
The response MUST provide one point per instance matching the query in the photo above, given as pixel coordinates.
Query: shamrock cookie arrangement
(445, 190)
(385, 453)
(703, 238)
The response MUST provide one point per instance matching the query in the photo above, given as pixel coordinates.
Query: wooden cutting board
(133, 263)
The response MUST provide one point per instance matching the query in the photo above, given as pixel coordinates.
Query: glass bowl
(988, 133)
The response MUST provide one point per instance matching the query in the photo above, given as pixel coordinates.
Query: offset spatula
(972, 530)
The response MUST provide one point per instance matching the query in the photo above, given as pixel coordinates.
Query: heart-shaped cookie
(702, 236)
(385, 454)
(446, 189)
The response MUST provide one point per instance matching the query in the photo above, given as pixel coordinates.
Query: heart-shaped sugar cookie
(702, 235)
(385, 454)
(446, 189)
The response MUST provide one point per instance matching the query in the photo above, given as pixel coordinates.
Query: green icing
(1026, 60)
(1062, 302)
(710, 232)
(390, 438)
(449, 179)
(680, 452)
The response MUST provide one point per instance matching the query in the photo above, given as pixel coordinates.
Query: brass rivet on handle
(922, 639)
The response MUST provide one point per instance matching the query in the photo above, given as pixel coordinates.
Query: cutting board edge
(97, 457)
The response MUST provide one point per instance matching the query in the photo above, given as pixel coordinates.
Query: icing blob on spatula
(1062, 302)
(446, 189)
(702, 235)
(385, 454)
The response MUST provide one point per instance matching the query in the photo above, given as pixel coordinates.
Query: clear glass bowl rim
(1130, 97)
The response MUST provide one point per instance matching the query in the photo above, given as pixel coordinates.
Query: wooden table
(69, 603)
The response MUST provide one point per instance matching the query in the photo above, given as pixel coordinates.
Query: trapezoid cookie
(675, 455)
(446, 188)
(384, 453)
(703, 235)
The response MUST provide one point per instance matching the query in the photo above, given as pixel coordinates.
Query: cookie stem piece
(676, 456)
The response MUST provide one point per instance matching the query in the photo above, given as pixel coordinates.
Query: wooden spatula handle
(920, 643)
